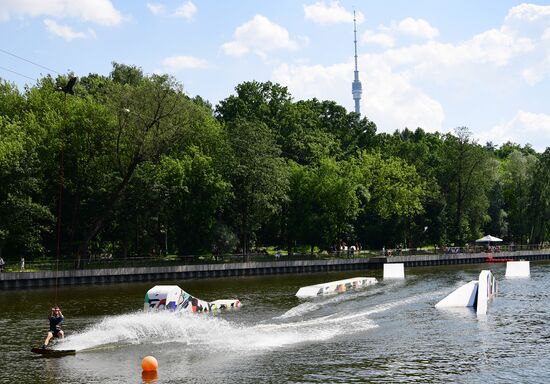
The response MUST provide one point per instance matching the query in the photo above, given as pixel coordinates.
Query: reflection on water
(149, 376)
(385, 333)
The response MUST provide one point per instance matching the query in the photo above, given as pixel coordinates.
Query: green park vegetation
(147, 170)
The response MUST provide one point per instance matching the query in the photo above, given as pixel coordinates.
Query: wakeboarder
(55, 318)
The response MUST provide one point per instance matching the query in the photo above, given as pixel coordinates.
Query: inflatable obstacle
(476, 293)
(518, 269)
(173, 298)
(333, 287)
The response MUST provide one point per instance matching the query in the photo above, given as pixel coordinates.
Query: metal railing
(107, 262)
(441, 250)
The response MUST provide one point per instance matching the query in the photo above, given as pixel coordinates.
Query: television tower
(356, 88)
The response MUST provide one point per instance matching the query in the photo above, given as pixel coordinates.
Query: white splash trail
(218, 334)
(318, 303)
(213, 333)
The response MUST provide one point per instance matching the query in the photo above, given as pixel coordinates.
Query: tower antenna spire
(356, 88)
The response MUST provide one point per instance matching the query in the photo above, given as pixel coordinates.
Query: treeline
(145, 169)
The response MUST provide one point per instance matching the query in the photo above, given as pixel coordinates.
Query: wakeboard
(53, 352)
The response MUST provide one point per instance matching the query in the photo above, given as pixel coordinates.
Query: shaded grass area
(266, 255)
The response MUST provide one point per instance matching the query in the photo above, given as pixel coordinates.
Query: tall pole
(356, 88)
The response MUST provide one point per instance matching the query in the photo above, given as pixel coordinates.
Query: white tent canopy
(488, 238)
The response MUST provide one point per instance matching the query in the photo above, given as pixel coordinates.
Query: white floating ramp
(338, 286)
(476, 293)
(173, 298)
(394, 271)
(486, 289)
(518, 269)
(465, 296)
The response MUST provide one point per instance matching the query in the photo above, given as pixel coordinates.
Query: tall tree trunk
(105, 213)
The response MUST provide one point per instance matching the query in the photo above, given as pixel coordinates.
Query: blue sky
(433, 64)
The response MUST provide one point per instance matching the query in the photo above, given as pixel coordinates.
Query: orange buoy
(149, 363)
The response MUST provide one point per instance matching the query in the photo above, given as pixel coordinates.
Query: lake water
(389, 332)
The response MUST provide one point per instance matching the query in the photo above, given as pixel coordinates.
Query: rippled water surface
(389, 332)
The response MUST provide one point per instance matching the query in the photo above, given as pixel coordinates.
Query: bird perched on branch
(69, 87)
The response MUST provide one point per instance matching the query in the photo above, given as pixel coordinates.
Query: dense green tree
(323, 203)
(24, 220)
(539, 205)
(140, 168)
(395, 193)
(467, 177)
(517, 179)
(150, 114)
(258, 176)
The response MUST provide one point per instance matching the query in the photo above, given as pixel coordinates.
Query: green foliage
(323, 202)
(517, 183)
(395, 188)
(24, 220)
(258, 176)
(539, 200)
(146, 170)
(466, 178)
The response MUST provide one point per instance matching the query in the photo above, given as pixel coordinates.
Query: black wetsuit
(55, 324)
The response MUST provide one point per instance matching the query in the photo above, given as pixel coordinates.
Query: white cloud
(178, 63)
(260, 36)
(532, 75)
(186, 10)
(67, 32)
(386, 36)
(528, 12)
(97, 11)
(156, 9)
(524, 127)
(417, 28)
(497, 46)
(493, 47)
(389, 98)
(332, 13)
(383, 39)
(394, 80)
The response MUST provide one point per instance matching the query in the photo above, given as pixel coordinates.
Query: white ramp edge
(518, 269)
(476, 293)
(486, 289)
(394, 271)
(338, 286)
(465, 296)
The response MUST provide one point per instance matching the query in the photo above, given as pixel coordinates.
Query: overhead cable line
(17, 73)
(29, 61)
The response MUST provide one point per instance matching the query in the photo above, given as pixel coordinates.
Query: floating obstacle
(333, 287)
(476, 293)
(173, 298)
(464, 296)
(394, 271)
(486, 289)
(518, 269)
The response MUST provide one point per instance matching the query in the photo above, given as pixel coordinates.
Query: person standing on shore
(22, 265)
(2, 263)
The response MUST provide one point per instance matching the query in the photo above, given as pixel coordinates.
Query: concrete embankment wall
(182, 272)
(466, 258)
(15, 280)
